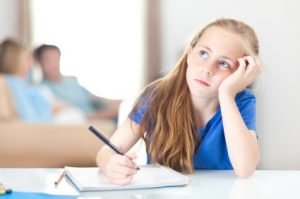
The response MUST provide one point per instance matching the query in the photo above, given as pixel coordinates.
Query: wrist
(224, 96)
(226, 92)
(103, 158)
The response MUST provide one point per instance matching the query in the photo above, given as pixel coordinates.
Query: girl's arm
(241, 142)
(120, 169)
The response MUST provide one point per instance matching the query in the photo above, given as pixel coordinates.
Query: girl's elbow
(247, 169)
(244, 173)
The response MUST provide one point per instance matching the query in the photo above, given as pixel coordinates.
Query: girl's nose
(208, 69)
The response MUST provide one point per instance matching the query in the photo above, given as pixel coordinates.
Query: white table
(204, 184)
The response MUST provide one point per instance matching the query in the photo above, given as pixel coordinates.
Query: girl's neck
(204, 109)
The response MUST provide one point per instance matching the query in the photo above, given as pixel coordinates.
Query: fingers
(247, 71)
(253, 63)
(121, 169)
(250, 68)
(117, 175)
(122, 165)
(242, 65)
(131, 155)
(124, 160)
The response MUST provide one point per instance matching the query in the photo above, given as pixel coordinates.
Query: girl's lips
(202, 82)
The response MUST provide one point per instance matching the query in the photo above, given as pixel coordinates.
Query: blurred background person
(69, 90)
(31, 102)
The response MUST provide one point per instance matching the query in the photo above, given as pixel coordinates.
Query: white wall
(278, 94)
(8, 19)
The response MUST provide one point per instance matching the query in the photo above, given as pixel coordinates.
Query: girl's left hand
(249, 68)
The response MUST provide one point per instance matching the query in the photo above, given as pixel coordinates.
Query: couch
(44, 144)
(49, 145)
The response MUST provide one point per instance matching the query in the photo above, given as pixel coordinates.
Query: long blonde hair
(168, 124)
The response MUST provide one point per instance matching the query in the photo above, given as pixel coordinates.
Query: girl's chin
(204, 93)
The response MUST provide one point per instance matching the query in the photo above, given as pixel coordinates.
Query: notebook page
(149, 176)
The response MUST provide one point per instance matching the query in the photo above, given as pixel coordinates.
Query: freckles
(222, 76)
(226, 75)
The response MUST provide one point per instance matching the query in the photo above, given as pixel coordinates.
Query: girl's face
(213, 58)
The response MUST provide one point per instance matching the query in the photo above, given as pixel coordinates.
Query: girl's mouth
(202, 82)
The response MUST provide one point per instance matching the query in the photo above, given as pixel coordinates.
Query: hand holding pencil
(118, 167)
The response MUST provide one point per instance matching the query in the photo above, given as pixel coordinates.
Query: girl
(199, 116)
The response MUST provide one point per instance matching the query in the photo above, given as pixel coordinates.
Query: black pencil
(106, 141)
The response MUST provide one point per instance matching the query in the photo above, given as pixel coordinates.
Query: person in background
(69, 90)
(200, 115)
(31, 102)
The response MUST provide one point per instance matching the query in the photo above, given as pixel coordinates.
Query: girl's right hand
(249, 68)
(120, 169)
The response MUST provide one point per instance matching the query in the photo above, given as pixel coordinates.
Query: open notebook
(149, 176)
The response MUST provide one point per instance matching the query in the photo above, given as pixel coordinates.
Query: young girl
(199, 116)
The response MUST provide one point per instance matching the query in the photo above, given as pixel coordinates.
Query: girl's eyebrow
(227, 58)
(206, 47)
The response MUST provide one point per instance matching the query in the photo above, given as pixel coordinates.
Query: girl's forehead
(223, 42)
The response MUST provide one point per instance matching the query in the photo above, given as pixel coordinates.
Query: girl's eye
(203, 54)
(224, 65)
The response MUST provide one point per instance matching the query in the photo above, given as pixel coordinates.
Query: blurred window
(102, 41)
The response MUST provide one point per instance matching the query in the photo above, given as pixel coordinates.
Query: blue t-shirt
(212, 152)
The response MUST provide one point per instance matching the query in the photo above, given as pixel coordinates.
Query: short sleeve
(138, 114)
(246, 103)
